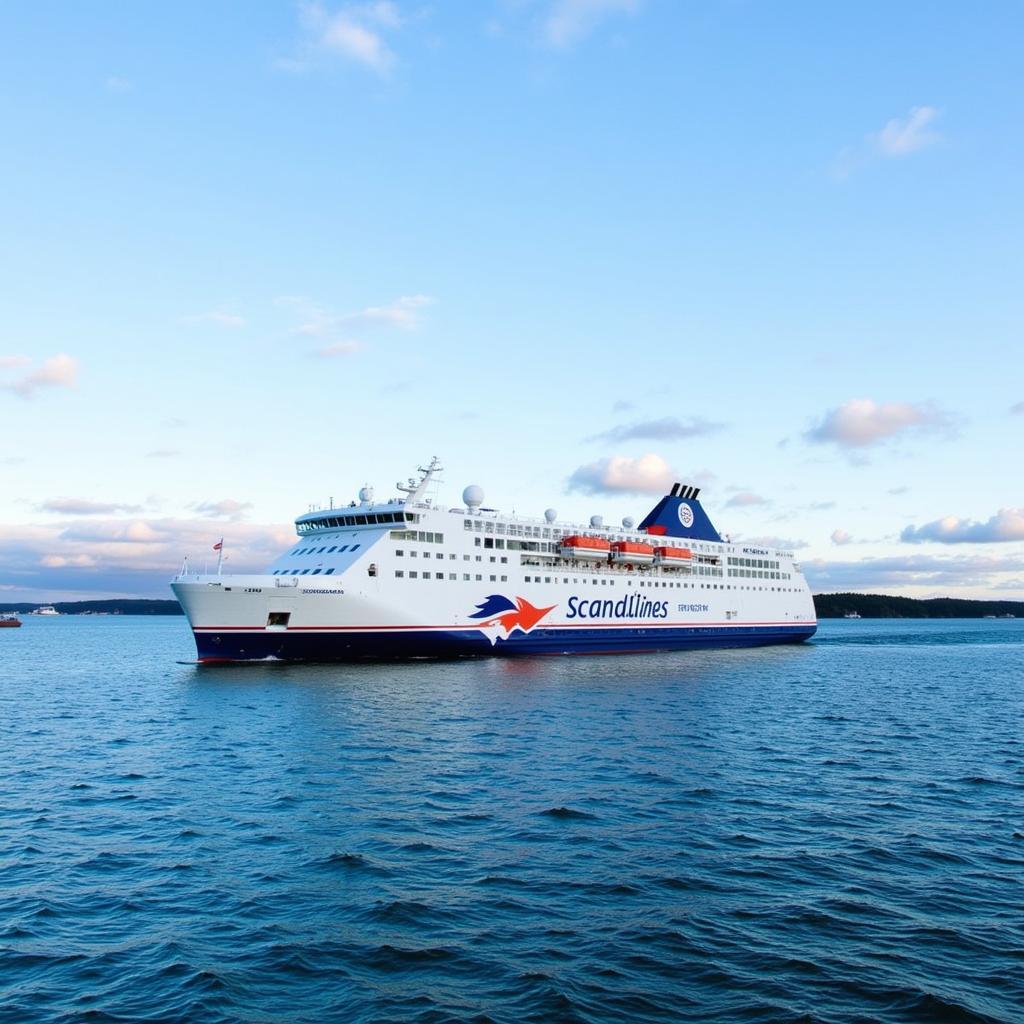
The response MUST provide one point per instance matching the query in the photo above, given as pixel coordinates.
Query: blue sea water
(829, 832)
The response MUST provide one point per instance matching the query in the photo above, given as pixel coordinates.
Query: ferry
(411, 578)
(46, 609)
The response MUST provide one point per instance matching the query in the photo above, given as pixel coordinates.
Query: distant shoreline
(884, 606)
(828, 606)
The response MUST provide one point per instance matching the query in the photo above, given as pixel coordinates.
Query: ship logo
(499, 616)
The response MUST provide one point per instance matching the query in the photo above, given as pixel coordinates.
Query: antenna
(415, 489)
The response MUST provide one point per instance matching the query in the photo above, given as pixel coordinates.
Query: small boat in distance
(9, 620)
(46, 609)
(852, 615)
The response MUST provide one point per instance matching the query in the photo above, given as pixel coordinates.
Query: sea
(825, 832)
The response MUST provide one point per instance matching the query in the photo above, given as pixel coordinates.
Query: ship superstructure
(409, 578)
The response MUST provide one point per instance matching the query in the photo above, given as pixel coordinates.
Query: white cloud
(903, 135)
(354, 32)
(218, 318)
(619, 474)
(668, 428)
(862, 422)
(841, 537)
(899, 137)
(60, 371)
(404, 314)
(227, 508)
(910, 571)
(10, 362)
(84, 507)
(128, 558)
(1006, 525)
(341, 348)
(568, 21)
(746, 499)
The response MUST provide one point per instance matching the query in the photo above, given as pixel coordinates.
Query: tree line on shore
(828, 606)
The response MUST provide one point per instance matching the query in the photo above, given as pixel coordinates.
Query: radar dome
(366, 495)
(473, 496)
(628, 522)
(597, 522)
(550, 515)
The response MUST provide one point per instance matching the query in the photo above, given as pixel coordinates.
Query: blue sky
(257, 255)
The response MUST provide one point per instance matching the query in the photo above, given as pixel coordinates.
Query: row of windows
(424, 536)
(379, 518)
(659, 583)
(412, 575)
(759, 574)
(754, 563)
(400, 553)
(303, 572)
(320, 551)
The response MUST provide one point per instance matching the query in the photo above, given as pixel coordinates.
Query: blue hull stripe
(398, 645)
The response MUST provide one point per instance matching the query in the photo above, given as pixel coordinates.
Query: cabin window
(328, 572)
(399, 573)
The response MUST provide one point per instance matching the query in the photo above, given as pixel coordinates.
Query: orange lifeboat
(673, 556)
(585, 547)
(635, 554)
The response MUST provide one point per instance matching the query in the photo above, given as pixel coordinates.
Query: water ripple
(829, 833)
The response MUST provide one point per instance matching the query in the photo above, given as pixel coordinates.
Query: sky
(255, 256)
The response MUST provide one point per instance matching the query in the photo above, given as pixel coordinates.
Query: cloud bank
(59, 371)
(668, 428)
(1006, 525)
(862, 422)
(568, 21)
(619, 474)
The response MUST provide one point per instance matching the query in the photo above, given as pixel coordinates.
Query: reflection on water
(833, 830)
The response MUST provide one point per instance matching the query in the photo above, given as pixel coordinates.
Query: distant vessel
(408, 578)
(46, 609)
(852, 615)
(9, 620)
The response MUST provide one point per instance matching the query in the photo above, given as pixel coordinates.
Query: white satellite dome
(628, 522)
(597, 522)
(366, 495)
(473, 496)
(550, 515)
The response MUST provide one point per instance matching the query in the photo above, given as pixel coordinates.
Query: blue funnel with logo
(680, 515)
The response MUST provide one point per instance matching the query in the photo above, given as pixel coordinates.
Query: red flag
(219, 544)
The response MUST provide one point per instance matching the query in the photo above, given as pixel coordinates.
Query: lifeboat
(634, 554)
(585, 547)
(673, 556)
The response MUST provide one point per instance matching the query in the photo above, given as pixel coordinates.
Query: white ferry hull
(229, 618)
(407, 579)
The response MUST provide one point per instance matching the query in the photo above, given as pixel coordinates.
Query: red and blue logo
(500, 617)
